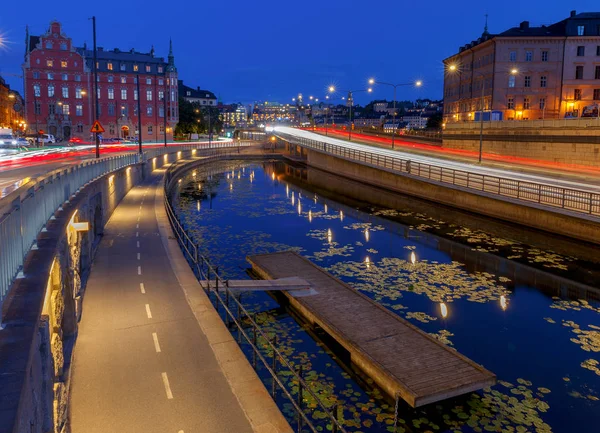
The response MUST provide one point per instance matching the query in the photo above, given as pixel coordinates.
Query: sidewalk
(142, 362)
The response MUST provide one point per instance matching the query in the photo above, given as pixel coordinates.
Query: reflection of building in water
(472, 260)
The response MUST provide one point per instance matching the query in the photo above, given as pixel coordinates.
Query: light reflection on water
(547, 380)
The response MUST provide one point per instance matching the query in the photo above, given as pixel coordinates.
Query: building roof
(121, 56)
(196, 93)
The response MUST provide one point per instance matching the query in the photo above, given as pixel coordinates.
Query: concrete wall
(42, 309)
(572, 145)
(531, 215)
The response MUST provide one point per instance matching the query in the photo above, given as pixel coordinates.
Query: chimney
(524, 25)
(573, 13)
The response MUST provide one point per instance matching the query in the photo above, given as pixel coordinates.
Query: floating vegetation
(420, 316)
(591, 364)
(588, 340)
(440, 282)
(443, 335)
(574, 305)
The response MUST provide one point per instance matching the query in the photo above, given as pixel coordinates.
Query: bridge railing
(578, 201)
(248, 330)
(26, 211)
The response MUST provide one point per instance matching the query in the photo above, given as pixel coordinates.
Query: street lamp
(350, 103)
(453, 68)
(395, 86)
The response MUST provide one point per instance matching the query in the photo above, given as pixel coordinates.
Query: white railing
(578, 201)
(27, 210)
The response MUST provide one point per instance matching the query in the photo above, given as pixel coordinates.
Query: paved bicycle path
(142, 362)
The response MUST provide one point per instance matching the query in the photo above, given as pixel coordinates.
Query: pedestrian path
(142, 362)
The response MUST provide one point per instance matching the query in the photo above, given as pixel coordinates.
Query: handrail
(579, 201)
(205, 271)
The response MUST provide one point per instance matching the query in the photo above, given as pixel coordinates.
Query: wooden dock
(398, 356)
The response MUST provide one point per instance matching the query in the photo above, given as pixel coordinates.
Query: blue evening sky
(271, 50)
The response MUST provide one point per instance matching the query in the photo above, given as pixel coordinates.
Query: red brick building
(58, 84)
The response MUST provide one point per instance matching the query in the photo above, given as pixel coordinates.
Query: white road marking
(138, 255)
(167, 386)
(156, 345)
(148, 312)
(137, 234)
(139, 270)
(137, 226)
(138, 244)
(138, 217)
(142, 288)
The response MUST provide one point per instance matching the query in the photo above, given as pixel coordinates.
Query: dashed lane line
(142, 288)
(139, 270)
(148, 312)
(167, 386)
(156, 345)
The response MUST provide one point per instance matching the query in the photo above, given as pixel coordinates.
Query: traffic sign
(97, 128)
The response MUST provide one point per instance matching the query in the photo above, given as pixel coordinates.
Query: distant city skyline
(273, 51)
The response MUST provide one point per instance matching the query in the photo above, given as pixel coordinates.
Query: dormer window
(136, 68)
(160, 69)
(123, 66)
(148, 68)
(109, 66)
(188, 93)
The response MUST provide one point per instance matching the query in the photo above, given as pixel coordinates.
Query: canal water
(521, 303)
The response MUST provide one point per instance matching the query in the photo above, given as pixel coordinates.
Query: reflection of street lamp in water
(443, 310)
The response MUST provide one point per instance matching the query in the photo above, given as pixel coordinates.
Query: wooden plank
(400, 357)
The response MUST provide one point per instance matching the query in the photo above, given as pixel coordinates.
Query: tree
(195, 118)
(435, 121)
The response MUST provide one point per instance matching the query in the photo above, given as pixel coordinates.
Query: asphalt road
(142, 363)
(575, 183)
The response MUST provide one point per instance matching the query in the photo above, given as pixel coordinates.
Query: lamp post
(454, 68)
(350, 103)
(395, 86)
(165, 116)
(139, 111)
(10, 110)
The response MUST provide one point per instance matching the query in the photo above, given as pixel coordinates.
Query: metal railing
(579, 201)
(27, 210)
(237, 316)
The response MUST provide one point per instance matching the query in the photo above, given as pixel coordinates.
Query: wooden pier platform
(398, 356)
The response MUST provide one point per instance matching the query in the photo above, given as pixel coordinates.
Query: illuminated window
(149, 110)
(78, 94)
(50, 76)
(66, 110)
(124, 94)
(65, 92)
(135, 67)
(148, 95)
(79, 110)
(63, 64)
(111, 93)
(148, 81)
(109, 66)
(135, 95)
(160, 69)
(161, 95)
(36, 90)
(49, 63)
(123, 80)
(148, 68)
(111, 78)
(51, 91)
(580, 30)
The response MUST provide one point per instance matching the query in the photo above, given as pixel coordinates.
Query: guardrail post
(299, 398)
(254, 347)
(334, 411)
(227, 303)
(274, 367)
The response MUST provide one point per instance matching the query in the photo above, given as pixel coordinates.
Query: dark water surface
(521, 303)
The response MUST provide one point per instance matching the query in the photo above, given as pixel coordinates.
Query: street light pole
(96, 102)
(165, 116)
(139, 110)
(35, 112)
(481, 119)
(395, 86)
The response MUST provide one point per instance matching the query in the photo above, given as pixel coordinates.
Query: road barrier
(578, 201)
(27, 210)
